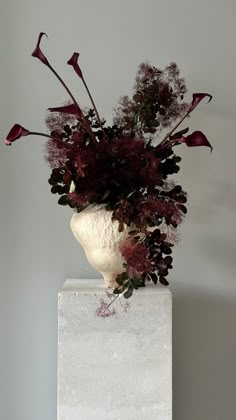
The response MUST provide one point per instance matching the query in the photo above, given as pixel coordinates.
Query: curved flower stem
(84, 121)
(173, 142)
(197, 98)
(64, 85)
(108, 306)
(94, 106)
(174, 128)
(36, 133)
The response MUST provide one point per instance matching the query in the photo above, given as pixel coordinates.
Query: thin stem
(171, 142)
(108, 306)
(35, 133)
(94, 106)
(64, 85)
(174, 128)
(85, 122)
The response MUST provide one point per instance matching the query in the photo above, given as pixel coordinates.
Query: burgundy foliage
(136, 255)
(157, 100)
(121, 167)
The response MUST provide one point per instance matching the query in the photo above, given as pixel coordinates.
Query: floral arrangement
(123, 166)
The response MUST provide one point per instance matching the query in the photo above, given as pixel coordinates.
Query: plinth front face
(119, 367)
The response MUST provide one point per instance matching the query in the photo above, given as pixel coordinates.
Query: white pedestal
(119, 367)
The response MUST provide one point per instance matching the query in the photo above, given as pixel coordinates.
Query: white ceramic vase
(99, 236)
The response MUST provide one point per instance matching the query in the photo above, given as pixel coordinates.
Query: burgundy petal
(197, 138)
(68, 109)
(73, 61)
(15, 133)
(197, 97)
(38, 52)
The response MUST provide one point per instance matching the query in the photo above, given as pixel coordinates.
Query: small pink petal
(197, 97)
(15, 133)
(38, 52)
(68, 109)
(73, 61)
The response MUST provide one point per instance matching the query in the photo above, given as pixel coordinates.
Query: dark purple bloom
(15, 133)
(68, 109)
(197, 97)
(38, 52)
(73, 61)
(197, 138)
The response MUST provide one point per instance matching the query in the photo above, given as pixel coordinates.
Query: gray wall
(38, 251)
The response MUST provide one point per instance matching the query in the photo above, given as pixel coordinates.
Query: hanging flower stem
(94, 106)
(84, 121)
(36, 133)
(173, 129)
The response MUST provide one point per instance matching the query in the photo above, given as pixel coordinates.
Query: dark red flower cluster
(136, 255)
(120, 166)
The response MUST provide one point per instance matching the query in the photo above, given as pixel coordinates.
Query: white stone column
(118, 367)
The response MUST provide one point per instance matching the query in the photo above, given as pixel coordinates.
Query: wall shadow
(204, 357)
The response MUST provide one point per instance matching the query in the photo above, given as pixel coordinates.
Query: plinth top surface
(90, 286)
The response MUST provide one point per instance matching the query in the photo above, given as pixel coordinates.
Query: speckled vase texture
(99, 236)
(115, 368)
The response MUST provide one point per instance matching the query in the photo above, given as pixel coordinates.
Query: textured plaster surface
(101, 239)
(115, 368)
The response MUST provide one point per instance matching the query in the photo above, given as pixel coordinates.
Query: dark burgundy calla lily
(197, 138)
(15, 133)
(68, 109)
(38, 52)
(73, 61)
(197, 97)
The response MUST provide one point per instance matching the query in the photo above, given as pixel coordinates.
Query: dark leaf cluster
(120, 167)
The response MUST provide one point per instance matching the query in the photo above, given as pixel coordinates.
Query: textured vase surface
(99, 236)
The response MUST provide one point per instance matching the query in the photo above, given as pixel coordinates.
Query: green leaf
(133, 232)
(60, 189)
(163, 281)
(120, 278)
(154, 123)
(137, 97)
(153, 277)
(54, 189)
(67, 129)
(137, 282)
(118, 290)
(128, 293)
(52, 180)
(65, 189)
(63, 200)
